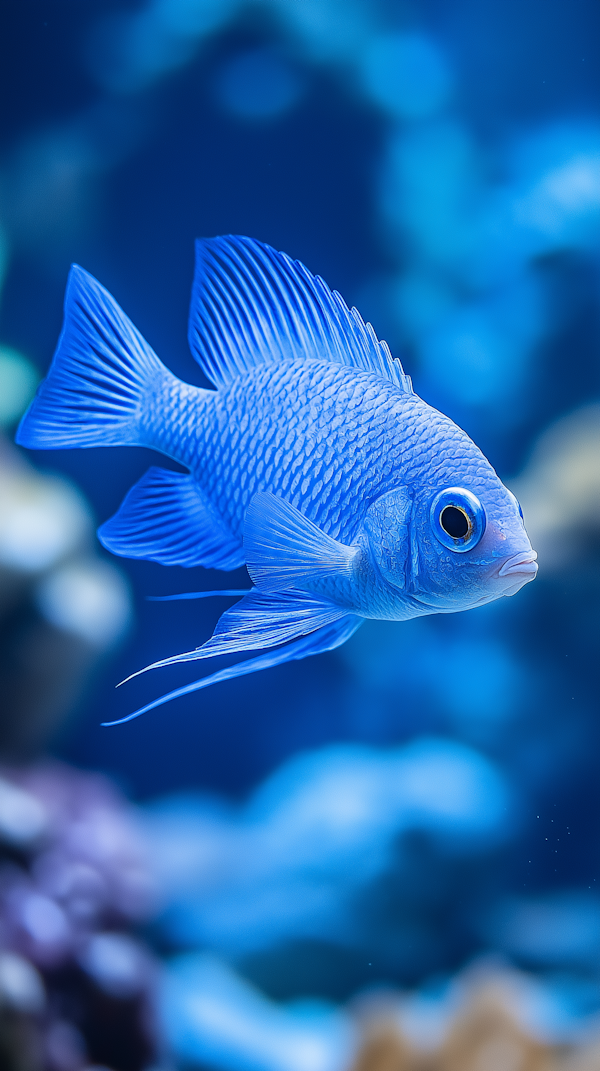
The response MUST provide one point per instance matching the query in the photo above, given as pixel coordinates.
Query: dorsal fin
(252, 305)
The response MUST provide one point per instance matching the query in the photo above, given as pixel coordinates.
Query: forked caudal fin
(100, 371)
(326, 638)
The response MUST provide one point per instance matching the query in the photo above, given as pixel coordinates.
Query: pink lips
(522, 564)
(518, 570)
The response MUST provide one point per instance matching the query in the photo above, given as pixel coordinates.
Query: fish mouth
(522, 564)
(518, 571)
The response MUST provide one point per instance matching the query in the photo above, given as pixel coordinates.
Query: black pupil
(454, 522)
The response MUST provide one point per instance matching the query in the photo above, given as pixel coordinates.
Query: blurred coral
(487, 1018)
(320, 847)
(75, 985)
(213, 1017)
(485, 1030)
(22, 1005)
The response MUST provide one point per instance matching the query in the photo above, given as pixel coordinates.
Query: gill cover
(387, 526)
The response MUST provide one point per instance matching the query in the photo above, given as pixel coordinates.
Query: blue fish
(313, 462)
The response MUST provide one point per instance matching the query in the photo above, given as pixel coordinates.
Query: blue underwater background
(427, 796)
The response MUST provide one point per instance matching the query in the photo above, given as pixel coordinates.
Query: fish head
(469, 541)
(454, 540)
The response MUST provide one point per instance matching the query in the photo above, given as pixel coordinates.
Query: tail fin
(99, 373)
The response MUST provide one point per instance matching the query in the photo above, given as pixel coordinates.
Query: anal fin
(165, 518)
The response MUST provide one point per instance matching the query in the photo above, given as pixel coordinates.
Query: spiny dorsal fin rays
(258, 620)
(252, 305)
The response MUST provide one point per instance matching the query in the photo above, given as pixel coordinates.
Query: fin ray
(258, 620)
(326, 638)
(222, 592)
(252, 305)
(99, 373)
(283, 548)
(165, 518)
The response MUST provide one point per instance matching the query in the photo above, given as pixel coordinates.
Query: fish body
(313, 462)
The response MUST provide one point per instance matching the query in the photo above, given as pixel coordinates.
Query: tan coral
(487, 1037)
(386, 1049)
(484, 1032)
(584, 1058)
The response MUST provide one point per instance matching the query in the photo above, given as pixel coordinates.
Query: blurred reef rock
(76, 986)
(281, 934)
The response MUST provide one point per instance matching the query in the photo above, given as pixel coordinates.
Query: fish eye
(458, 519)
(455, 522)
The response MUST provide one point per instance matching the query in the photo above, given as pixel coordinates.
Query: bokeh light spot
(406, 74)
(258, 85)
(18, 380)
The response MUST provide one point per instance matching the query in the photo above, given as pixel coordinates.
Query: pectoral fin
(283, 548)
